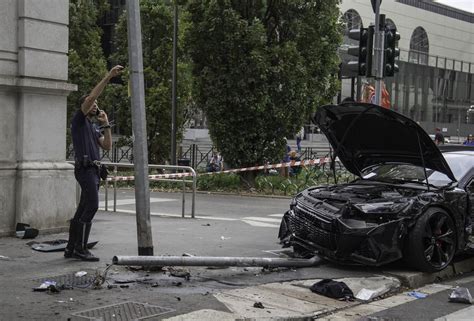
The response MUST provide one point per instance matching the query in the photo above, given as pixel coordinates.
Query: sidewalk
(194, 293)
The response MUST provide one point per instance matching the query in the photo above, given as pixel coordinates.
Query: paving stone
(205, 314)
(303, 293)
(274, 299)
(243, 307)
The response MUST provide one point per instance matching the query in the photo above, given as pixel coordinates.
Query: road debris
(80, 274)
(258, 305)
(333, 289)
(418, 295)
(460, 295)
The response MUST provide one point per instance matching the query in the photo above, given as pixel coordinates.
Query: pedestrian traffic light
(390, 51)
(363, 51)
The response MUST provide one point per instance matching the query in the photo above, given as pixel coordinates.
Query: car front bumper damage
(344, 240)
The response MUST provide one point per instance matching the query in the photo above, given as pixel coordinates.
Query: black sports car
(410, 200)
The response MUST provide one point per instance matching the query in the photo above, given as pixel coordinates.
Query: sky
(466, 5)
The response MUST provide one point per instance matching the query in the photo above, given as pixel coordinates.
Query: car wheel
(432, 242)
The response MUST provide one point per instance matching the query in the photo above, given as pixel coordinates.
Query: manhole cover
(122, 312)
(70, 279)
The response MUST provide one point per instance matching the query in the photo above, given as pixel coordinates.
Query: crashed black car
(409, 201)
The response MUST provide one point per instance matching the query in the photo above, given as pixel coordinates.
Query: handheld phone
(97, 112)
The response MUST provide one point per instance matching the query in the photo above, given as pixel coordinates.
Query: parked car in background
(409, 201)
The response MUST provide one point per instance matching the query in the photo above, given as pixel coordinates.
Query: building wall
(434, 89)
(37, 186)
(448, 37)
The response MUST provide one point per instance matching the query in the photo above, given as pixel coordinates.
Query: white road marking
(277, 215)
(187, 215)
(262, 219)
(260, 224)
(130, 201)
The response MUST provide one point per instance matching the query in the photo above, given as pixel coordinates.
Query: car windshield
(459, 163)
(399, 173)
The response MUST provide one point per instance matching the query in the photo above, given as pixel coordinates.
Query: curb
(417, 279)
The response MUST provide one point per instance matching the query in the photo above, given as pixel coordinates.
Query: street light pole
(378, 51)
(174, 81)
(140, 149)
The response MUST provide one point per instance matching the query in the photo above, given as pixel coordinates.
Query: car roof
(455, 147)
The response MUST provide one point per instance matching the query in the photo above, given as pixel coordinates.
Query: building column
(37, 186)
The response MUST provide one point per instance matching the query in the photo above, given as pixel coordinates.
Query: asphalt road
(213, 206)
(225, 225)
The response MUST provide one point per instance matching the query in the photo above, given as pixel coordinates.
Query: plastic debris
(6, 258)
(44, 286)
(417, 295)
(224, 238)
(366, 294)
(54, 246)
(80, 274)
(460, 295)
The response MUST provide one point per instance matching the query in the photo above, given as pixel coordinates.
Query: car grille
(310, 227)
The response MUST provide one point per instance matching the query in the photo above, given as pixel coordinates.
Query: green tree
(87, 64)
(261, 68)
(157, 41)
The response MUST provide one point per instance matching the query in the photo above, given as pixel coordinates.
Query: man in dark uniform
(439, 138)
(86, 139)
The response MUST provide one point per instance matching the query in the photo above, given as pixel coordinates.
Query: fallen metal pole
(214, 261)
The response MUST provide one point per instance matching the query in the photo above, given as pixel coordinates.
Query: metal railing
(183, 180)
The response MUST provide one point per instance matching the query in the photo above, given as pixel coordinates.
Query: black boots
(77, 245)
(72, 239)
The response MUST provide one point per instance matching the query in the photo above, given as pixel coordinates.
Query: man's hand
(102, 118)
(115, 71)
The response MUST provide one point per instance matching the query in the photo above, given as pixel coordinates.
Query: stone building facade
(37, 186)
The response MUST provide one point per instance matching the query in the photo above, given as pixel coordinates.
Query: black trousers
(88, 179)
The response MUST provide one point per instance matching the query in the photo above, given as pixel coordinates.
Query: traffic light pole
(378, 52)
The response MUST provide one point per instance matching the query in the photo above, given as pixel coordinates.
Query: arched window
(419, 46)
(351, 20)
(390, 24)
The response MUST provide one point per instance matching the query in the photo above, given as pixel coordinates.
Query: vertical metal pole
(378, 53)
(359, 89)
(193, 206)
(352, 88)
(184, 197)
(173, 89)
(140, 148)
(106, 186)
(115, 189)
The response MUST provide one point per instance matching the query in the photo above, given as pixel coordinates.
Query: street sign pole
(378, 51)
(140, 150)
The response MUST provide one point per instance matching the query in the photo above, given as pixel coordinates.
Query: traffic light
(390, 51)
(363, 52)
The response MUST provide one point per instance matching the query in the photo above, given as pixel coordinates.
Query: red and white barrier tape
(310, 162)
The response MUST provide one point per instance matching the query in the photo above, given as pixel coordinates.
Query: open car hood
(365, 134)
